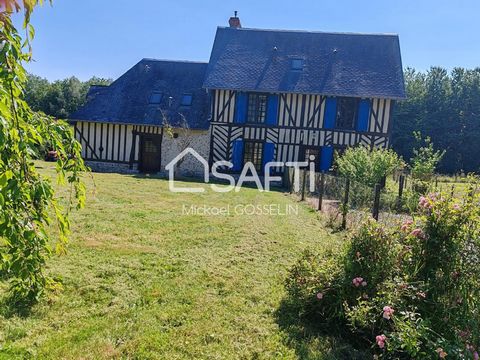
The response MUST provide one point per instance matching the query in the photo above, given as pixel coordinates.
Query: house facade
(267, 95)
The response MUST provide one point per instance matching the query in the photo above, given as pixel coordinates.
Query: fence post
(304, 180)
(401, 181)
(376, 202)
(292, 181)
(345, 204)
(321, 190)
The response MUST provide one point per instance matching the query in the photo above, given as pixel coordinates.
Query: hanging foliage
(28, 204)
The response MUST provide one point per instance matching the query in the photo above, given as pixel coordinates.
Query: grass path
(141, 280)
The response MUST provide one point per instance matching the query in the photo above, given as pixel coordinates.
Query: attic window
(186, 100)
(156, 98)
(297, 64)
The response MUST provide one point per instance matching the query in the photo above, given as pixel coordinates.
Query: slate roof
(339, 64)
(127, 100)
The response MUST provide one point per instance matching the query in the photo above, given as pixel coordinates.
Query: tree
(26, 197)
(446, 108)
(60, 98)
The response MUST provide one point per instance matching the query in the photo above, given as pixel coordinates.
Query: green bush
(368, 167)
(424, 163)
(408, 291)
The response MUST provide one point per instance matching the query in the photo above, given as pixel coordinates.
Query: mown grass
(142, 281)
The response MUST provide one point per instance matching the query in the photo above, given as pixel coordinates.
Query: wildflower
(365, 296)
(319, 296)
(359, 281)
(456, 207)
(441, 353)
(475, 356)
(417, 233)
(381, 339)
(388, 312)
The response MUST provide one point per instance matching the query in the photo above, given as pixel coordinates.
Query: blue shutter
(237, 155)
(272, 109)
(330, 113)
(363, 115)
(241, 100)
(268, 152)
(327, 158)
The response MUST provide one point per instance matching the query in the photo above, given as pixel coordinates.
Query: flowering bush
(408, 291)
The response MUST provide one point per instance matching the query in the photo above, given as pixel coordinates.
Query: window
(253, 153)
(156, 98)
(346, 113)
(297, 64)
(186, 100)
(257, 108)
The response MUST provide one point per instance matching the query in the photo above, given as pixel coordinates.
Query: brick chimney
(234, 21)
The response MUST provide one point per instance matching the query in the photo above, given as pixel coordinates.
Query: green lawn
(141, 280)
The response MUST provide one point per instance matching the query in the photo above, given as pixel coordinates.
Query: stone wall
(101, 166)
(195, 139)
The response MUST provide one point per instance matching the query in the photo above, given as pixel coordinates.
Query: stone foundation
(111, 167)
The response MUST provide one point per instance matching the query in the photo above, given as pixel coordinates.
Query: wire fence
(346, 200)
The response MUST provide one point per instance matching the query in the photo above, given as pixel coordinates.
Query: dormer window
(156, 98)
(186, 100)
(297, 64)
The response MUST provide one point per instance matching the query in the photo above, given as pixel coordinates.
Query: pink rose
(320, 296)
(441, 353)
(357, 281)
(388, 312)
(364, 283)
(406, 225)
(381, 339)
(417, 233)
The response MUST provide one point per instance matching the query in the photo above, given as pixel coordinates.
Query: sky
(105, 38)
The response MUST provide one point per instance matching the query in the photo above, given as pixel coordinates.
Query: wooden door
(150, 153)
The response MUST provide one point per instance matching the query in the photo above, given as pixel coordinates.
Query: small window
(156, 98)
(346, 113)
(257, 108)
(186, 100)
(297, 64)
(253, 153)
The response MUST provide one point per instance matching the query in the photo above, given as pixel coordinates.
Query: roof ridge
(174, 61)
(309, 31)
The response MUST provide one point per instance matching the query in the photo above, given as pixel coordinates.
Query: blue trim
(241, 101)
(326, 158)
(272, 110)
(237, 156)
(268, 153)
(330, 113)
(363, 115)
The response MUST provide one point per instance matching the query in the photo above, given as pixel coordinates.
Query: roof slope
(340, 64)
(127, 99)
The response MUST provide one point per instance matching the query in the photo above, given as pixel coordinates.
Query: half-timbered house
(265, 95)
(285, 95)
(123, 126)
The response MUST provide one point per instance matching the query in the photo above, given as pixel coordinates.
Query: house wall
(116, 147)
(300, 122)
(195, 139)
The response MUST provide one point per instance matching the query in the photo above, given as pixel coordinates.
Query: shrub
(408, 291)
(367, 166)
(424, 163)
